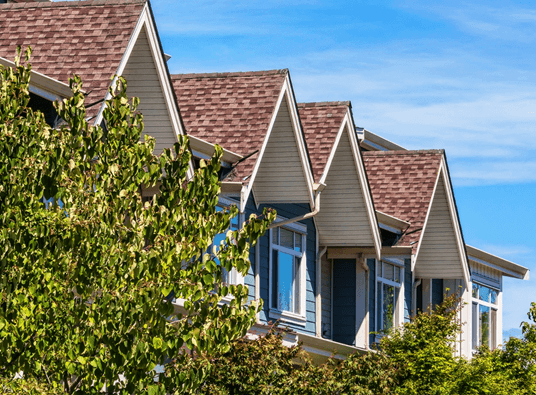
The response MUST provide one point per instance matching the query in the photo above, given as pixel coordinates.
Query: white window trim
(287, 316)
(399, 308)
(491, 306)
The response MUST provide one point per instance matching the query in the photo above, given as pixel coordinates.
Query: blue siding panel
(408, 288)
(437, 292)
(371, 262)
(344, 301)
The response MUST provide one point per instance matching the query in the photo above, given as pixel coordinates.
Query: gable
(439, 255)
(143, 81)
(280, 177)
(343, 218)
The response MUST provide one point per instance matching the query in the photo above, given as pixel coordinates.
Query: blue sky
(458, 76)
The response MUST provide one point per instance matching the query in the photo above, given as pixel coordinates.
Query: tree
(88, 278)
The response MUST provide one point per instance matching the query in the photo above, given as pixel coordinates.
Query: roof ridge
(325, 104)
(406, 152)
(69, 4)
(229, 74)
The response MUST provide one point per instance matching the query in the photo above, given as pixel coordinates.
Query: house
(367, 233)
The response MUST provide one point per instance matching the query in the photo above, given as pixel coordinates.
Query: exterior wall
(408, 290)
(438, 255)
(143, 82)
(280, 177)
(287, 211)
(343, 218)
(344, 301)
(326, 297)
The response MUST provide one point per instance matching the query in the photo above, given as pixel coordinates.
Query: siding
(437, 292)
(485, 275)
(439, 256)
(371, 262)
(288, 211)
(344, 301)
(408, 290)
(281, 178)
(326, 297)
(343, 218)
(143, 81)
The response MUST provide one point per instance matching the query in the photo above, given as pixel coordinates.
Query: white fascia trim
(496, 267)
(285, 93)
(414, 262)
(145, 20)
(493, 261)
(454, 218)
(455, 221)
(365, 188)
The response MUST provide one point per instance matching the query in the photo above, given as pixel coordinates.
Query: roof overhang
(204, 149)
(303, 171)
(391, 223)
(504, 266)
(373, 142)
(347, 126)
(44, 86)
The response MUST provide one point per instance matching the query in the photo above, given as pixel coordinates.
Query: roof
(87, 38)
(402, 184)
(321, 123)
(233, 110)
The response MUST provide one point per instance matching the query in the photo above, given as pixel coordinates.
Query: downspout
(318, 292)
(318, 190)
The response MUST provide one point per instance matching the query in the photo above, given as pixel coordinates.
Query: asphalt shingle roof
(87, 38)
(230, 109)
(402, 183)
(321, 123)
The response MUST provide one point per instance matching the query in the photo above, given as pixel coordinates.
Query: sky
(453, 75)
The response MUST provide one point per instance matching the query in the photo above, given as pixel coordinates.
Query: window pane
(275, 276)
(493, 296)
(484, 293)
(493, 329)
(475, 291)
(388, 307)
(484, 324)
(475, 325)
(285, 294)
(379, 303)
(297, 242)
(286, 238)
(388, 271)
(275, 236)
(234, 222)
(297, 293)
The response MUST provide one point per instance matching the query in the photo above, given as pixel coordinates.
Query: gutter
(318, 190)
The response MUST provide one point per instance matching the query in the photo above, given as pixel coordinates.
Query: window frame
(399, 286)
(276, 313)
(475, 319)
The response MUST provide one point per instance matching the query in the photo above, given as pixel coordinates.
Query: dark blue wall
(408, 290)
(371, 262)
(287, 211)
(344, 301)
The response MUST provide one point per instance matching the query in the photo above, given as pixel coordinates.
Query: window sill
(286, 316)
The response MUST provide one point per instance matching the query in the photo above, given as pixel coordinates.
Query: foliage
(84, 282)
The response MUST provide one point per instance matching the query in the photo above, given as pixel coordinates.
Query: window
(484, 314)
(287, 270)
(389, 278)
(232, 277)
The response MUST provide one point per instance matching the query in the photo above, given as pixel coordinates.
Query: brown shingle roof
(87, 38)
(402, 183)
(230, 109)
(321, 122)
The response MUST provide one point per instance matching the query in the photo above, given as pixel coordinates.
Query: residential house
(367, 232)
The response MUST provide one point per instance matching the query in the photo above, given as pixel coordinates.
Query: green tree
(84, 282)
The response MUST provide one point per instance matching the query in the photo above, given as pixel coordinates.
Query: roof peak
(229, 74)
(406, 152)
(325, 104)
(69, 4)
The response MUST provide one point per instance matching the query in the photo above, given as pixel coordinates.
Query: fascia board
(207, 148)
(300, 139)
(146, 20)
(284, 95)
(455, 221)
(263, 148)
(43, 85)
(392, 222)
(507, 267)
(365, 187)
(414, 263)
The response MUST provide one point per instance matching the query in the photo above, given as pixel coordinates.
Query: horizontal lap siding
(343, 218)
(143, 82)
(439, 256)
(287, 211)
(281, 178)
(485, 274)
